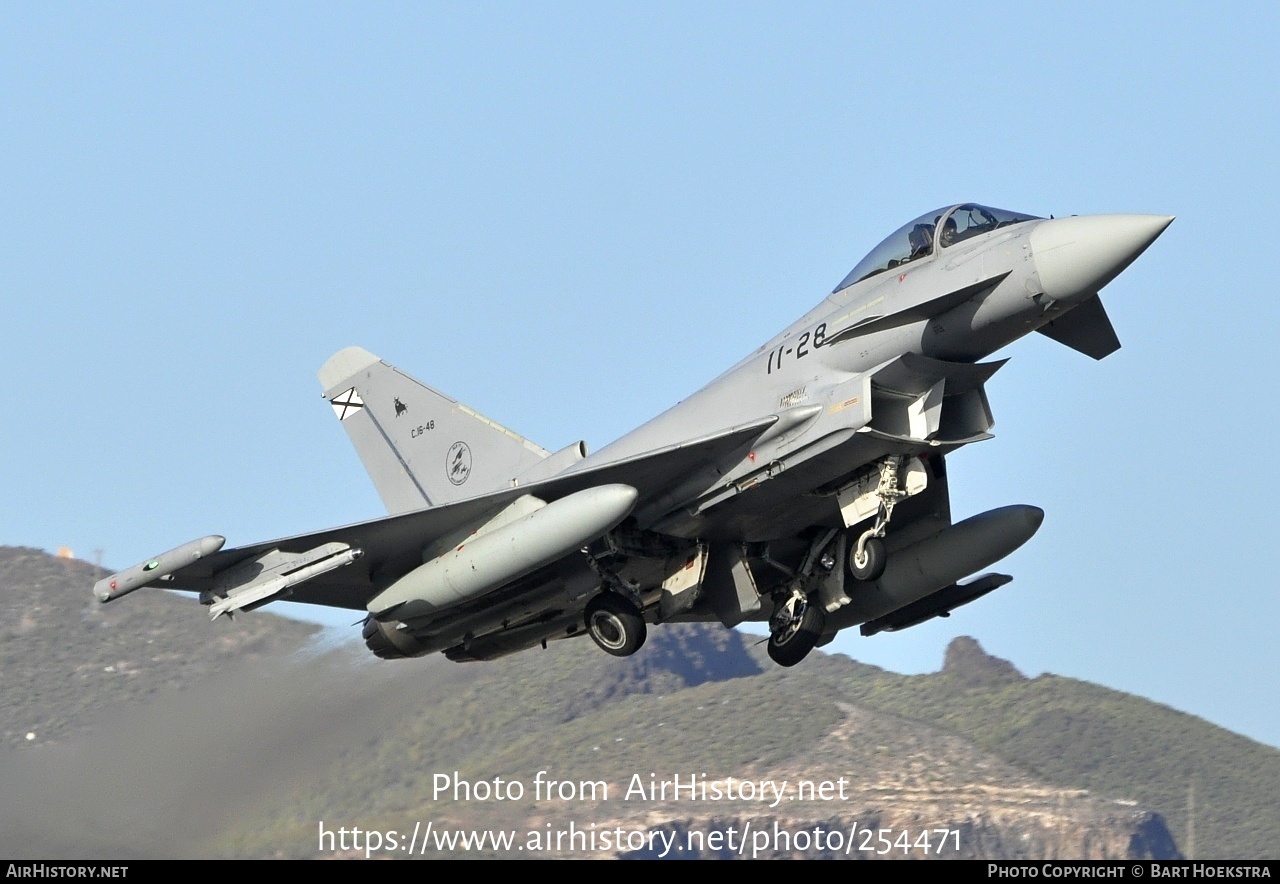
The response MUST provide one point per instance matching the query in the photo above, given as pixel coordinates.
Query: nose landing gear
(867, 557)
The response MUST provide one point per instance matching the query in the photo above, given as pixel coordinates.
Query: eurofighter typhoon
(805, 487)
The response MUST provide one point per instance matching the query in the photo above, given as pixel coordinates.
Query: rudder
(420, 447)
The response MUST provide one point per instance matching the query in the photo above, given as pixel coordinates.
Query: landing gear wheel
(867, 559)
(615, 624)
(796, 627)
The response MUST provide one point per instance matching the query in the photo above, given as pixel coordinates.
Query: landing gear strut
(794, 629)
(615, 624)
(867, 557)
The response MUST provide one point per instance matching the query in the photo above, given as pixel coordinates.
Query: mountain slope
(158, 733)
(65, 657)
(1071, 732)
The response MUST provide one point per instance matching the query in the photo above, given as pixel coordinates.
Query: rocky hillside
(572, 715)
(160, 734)
(65, 657)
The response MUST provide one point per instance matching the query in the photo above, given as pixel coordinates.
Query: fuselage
(959, 302)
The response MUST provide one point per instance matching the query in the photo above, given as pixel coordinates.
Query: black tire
(873, 560)
(615, 624)
(791, 644)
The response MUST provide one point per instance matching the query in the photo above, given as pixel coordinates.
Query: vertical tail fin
(420, 447)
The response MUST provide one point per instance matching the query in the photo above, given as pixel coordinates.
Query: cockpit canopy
(915, 239)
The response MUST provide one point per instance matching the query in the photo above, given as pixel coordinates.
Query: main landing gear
(798, 620)
(615, 624)
(794, 629)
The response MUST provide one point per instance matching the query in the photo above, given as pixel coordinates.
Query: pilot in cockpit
(948, 232)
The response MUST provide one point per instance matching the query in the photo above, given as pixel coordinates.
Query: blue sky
(571, 215)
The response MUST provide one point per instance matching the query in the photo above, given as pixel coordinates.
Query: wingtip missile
(109, 589)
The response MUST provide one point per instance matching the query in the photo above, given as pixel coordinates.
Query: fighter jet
(806, 487)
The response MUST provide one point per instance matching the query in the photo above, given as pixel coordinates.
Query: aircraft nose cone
(1034, 517)
(1077, 256)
